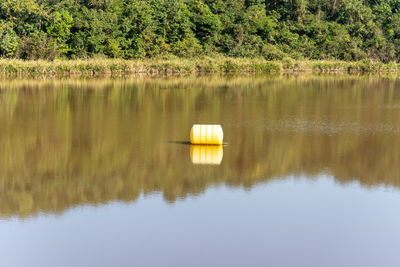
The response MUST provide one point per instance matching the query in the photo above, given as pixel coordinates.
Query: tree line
(272, 29)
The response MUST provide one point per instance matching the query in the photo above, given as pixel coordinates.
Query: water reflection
(206, 154)
(67, 143)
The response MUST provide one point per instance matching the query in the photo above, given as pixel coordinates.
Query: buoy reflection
(203, 154)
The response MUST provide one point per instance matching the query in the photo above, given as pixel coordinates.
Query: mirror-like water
(99, 173)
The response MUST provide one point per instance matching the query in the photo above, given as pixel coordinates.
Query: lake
(99, 173)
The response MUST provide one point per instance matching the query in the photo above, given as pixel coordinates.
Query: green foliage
(8, 44)
(8, 40)
(271, 52)
(189, 47)
(58, 27)
(350, 30)
(38, 46)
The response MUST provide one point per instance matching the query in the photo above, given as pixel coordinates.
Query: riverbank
(93, 67)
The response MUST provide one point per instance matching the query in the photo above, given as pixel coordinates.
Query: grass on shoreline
(101, 66)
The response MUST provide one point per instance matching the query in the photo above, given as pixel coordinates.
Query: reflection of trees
(76, 142)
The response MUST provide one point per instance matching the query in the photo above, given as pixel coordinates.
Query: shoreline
(218, 65)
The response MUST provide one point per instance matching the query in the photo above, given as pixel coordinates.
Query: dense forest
(272, 29)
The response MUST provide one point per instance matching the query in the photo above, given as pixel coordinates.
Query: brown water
(98, 172)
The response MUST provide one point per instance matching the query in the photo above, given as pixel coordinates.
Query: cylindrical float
(206, 134)
(204, 154)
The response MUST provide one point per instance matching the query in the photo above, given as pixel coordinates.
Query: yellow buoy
(206, 134)
(203, 154)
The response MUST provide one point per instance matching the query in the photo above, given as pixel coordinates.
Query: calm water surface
(98, 172)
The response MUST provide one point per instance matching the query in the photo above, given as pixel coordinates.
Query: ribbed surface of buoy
(206, 134)
(204, 154)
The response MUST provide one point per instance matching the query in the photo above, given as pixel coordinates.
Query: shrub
(8, 43)
(288, 63)
(271, 52)
(38, 46)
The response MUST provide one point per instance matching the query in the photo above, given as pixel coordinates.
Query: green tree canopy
(314, 29)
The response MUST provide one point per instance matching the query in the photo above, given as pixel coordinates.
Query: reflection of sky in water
(287, 222)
